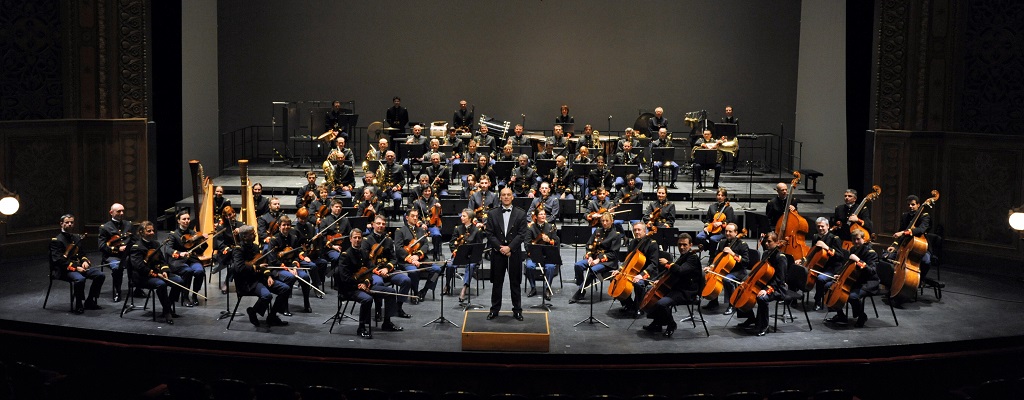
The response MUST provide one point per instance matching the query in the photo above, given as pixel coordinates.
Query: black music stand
(667, 237)
(544, 254)
(472, 253)
(463, 256)
(544, 166)
(635, 213)
(503, 169)
(574, 235)
(622, 170)
(750, 185)
(591, 319)
(525, 149)
(663, 154)
(522, 203)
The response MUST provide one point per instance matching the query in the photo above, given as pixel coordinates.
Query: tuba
(729, 146)
(371, 155)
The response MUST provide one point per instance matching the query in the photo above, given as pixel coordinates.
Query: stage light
(1016, 218)
(10, 202)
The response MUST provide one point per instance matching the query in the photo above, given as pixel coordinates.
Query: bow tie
(506, 210)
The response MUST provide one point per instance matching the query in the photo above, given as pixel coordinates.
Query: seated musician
(583, 156)
(306, 232)
(546, 201)
(905, 233)
(333, 225)
(69, 263)
(484, 199)
(776, 207)
(843, 218)
(321, 205)
(371, 182)
(467, 232)
(149, 271)
(658, 121)
(523, 179)
(626, 157)
(563, 116)
(685, 280)
(735, 248)
(649, 248)
(438, 175)
(219, 201)
(558, 138)
(865, 284)
(369, 206)
(829, 243)
(548, 153)
(540, 232)
(434, 149)
(517, 139)
(114, 240)
(412, 233)
(385, 263)
(506, 154)
(428, 205)
(255, 280)
(301, 199)
(627, 138)
(663, 141)
(561, 179)
(485, 141)
(600, 205)
(351, 285)
(629, 193)
(262, 203)
(600, 177)
(422, 182)
(267, 224)
(482, 168)
(185, 262)
(589, 137)
(706, 142)
(667, 215)
(392, 181)
(340, 149)
(344, 178)
(418, 141)
(775, 290)
(223, 243)
(286, 240)
(714, 231)
(332, 121)
(452, 139)
(600, 257)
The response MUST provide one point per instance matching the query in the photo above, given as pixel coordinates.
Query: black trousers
(514, 267)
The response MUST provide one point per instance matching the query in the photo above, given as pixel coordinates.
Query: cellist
(601, 248)
(864, 258)
(685, 280)
(735, 248)
(775, 290)
(831, 244)
(646, 245)
(721, 207)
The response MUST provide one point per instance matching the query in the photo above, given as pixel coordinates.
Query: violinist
(706, 142)
(843, 218)
(306, 232)
(321, 205)
(483, 199)
(598, 206)
(329, 228)
(219, 201)
(344, 178)
(467, 232)
(148, 270)
(561, 178)
(735, 248)
(685, 280)
(438, 175)
(776, 207)
(627, 157)
(428, 206)
(262, 204)
(546, 201)
(829, 243)
(287, 240)
(183, 260)
(412, 234)
(483, 168)
(905, 232)
(369, 206)
(392, 180)
(600, 177)
(540, 232)
(864, 258)
(506, 229)
(114, 241)
(254, 279)
(600, 256)
(224, 242)
(663, 141)
(629, 193)
(300, 194)
(719, 213)
(267, 224)
(524, 178)
(385, 262)
(68, 263)
(353, 286)
(667, 216)
(775, 289)
(649, 248)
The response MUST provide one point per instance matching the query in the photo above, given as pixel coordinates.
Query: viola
(745, 295)
(652, 220)
(367, 212)
(718, 217)
(907, 269)
(792, 228)
(288, 254)
(721, 266)
(621, 285)
(255, 261)
(114, 242)
(72, 250)
(190, 240)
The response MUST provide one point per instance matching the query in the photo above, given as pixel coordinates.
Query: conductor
(506, 228)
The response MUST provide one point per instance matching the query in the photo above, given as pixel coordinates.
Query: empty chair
(187, 388)
(274, 391)
(366, 393)
(231, 389)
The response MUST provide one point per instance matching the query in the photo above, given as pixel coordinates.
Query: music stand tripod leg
(591, 319)
(441, 319)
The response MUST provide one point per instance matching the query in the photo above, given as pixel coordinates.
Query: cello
(907, 269)
(839, 293)
(814, 263)
(859, 226)
(745, 295)
(621, 285)
(721, 266)
(792, 228)
(661, 286)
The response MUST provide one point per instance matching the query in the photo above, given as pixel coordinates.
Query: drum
(438, 129)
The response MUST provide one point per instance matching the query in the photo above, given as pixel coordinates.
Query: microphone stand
(750, 185)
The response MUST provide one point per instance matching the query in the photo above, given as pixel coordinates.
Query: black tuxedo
(497, 237)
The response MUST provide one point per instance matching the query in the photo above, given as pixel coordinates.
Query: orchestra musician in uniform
(589, 137)
(433, 147)
(219, 201)
(546, 201)
(438, 175)
(626, 157)
(663, 141)
(397, 116)
(267, 224)
(424, 182)
(829, 243)
(707, 142)
(463, 118)
(148, 270)
(843, 218)
(558, 139)
(506, 228)
(351, 285)
(517, 138)
(483, 199)
(183, 260)
(314, 251)
(685, 280)
(721, 205)
(261, 203)
(300, 194)
(561, 179)
(667, 217)
(600, 177)
(332, 121)
(426, 204)
(467, 232)
(340, 149)
(866, 284)
(601, 255)
(729, 118)
(649, 248)
(255, 279)
(658, 121)
(485, 142)
(413, 230)
(627, 138)
(886, 267)
(629, 193)
(386, 263)
(735, 248)
(223, 243)
(775, 290)
(598, 206)
(564, 117)
(114, 242)
(540, 232)
(344, 177)
(483, 168)
(776, 207)
(506, 154)
(323, 201)
(69, 263)
(416, 140)
(452, 139)
(393, 179)
(329, 228)
(548, 153)
(286, 239)
(523, 179)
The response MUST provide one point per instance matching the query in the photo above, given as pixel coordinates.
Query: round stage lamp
(10, 205)
(1016, 220)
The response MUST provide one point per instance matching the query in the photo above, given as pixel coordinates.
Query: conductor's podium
(504, 333)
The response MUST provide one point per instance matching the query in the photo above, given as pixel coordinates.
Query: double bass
(858, 226)
(907, 269)
(792, 228)
(721, 266)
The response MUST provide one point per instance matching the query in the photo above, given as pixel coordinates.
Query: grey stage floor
(973, 307)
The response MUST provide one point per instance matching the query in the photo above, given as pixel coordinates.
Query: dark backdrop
(510, 58)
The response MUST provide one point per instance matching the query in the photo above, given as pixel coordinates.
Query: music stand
(625, 169)
(522, 203)
(703, 157)
(544, 166)
(544, 254)
(663, 154)
(462, 256)
(473, 253)
(750, 185)
(574, 235)
(635, 213)
(591, 319)
(503, 169)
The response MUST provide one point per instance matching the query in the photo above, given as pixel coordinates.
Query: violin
(189, 240)
(435, 215)
(792, 228)
(718, 217)
(367, 212)
(413, 248)
(907, 269)
(652, 220)
(288, 254)
(72, 250)
(540, 236)
(745, 295)
(255, 261)
(721, 266)
(621, 285)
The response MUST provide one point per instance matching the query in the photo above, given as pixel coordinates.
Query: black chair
(71, 290)
(231, 389)
(366, 393)
(790, 394)
(695, 304)
(342, 313)
(934, 247)
(410, 394)
(238, 300)
(460, 395)
(322, 393)
(274, 391)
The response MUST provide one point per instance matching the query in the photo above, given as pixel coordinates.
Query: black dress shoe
(364, 332)
(307, 309)
(818, 306)
(492, 314)
(747, 324)
(713, 304)
(837, 319)
(79, 309)
(91, 305)
(402, 314)
(518, 316)
(189, 304)
(652, 328)
(669, 330)
(287, 313)
(274, 320)
(168, 320)
(117, 297)
(139, 293)
(762, 331)
(252, 316)
(673, 186)
(547, 296)
(390, 327)
(533, 292)
(729, 311)
(860, 320)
